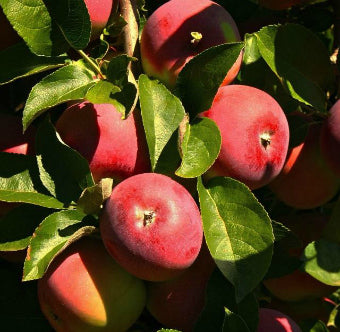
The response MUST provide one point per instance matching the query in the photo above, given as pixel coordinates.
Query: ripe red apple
(275, 321)
(255, 135)
(280, 4)
(299, 285)
(177, 303)
(152, 226)
(8, 35)
(84, 289)
(114, 147)
(99, 11)
(330, 138)
(167, 43)
(306, 181)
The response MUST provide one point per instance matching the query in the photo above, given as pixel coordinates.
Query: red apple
(84, 289)
(275, 321)
(8, 35)
(281, 4)
(255, 135)
(99, 11)
(306, 181)
(330, 138)
(152, 226)
(177, 303)
(114, 147)
(167, 43)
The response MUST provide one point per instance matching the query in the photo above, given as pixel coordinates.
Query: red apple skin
(166, 38)
(245, 114)
(152, 226)
(330, 138)
(280, 4)
(99, 12)
(275, 321)
(115, 148)
(177, 303)
(84, 289)
(8, 35)
(306, 181)
(299, 285)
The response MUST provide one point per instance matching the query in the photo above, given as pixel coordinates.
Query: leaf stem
(93, 64)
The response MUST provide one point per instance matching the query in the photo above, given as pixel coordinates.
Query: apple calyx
(196, 37)
(265, 139)
(149, 217)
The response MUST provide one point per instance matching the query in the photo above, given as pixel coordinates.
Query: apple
(8, 35)
(306, 181)
(177, 303)
(254, 132)
(99, 12)
(281, 4)
(180, 29)
(275, 321)
(115, 148)
(152, 226)
(299, 285)
(84, 289)
(330, 138)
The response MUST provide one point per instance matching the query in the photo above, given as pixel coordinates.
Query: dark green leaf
(52, 236)
(200, 147)
(117, 70)
(199, 80)
(162, 113)
(238, 232)
(32, 21)
(68, 83)
(313, 325)
(332, 229)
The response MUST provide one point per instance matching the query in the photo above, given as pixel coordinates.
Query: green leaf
(251, 51)
(168, 330)
(73, 20)
(238, 232)
(63, 171)
(332, 229)
(199, 80)
(313, 325)
(19, 181)
(162, 113)
(68, 83)
(117, 70)
(32, 21)
(102, 93)
(234, 322)
(200, 147)
(52, 236)
(284, 48)
(322, 261)
(18, 61)
(18, 225)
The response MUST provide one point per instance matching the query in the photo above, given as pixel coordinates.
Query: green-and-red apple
(180, 29)
(84, 289)
(275, 321)
(306, 181)
(152, 226)
(255, 135)
(115, 148)
(177, 303)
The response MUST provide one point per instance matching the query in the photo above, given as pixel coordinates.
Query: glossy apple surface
(255, 135)
(115, 148)
(275, 321)
(152, 226)
(167, 44)
(84, 289)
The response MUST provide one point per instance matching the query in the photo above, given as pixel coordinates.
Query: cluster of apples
(151, 251)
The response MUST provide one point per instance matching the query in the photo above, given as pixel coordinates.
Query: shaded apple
(306, 181)
(330, 138)
(84, 289)
(255, 135)
(167, 43)
(115, 148)
(152, 226)
(177, 303)
(281, 4)
(275, 321)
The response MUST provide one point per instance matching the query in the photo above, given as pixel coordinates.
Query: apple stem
(93, 64)
(265, 140)
(196, 37)
(149, 217)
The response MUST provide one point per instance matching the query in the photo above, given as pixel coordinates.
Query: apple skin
(84, 289)
(152, 226)
(299, 285)
(99, 12)
(166, 37)
(306, 181)
(330, 138)
(275, 321)
(281, 4)
(177, 303)
(115, 148)
(245, 115)
(8, 35)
